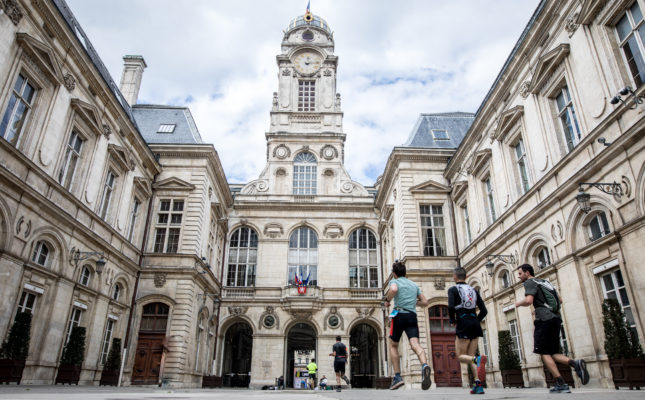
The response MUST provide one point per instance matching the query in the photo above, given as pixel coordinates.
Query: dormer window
(166, 128)
(440, 134)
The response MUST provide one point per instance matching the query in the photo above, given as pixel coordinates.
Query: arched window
(541, 257)
(304, 174)
(41, 253)
(116, 292)
(598, 226)
(303, 255)
(363, 268)
(505, 279)
(154, 317)
(242, 257)
(85, 276)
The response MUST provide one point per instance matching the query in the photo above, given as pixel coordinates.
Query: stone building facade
(202, 276)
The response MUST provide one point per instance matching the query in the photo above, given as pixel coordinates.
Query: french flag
(308, 10)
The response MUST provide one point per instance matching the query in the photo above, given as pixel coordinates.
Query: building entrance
(238, 349)
(148, 359)
(447, 370)
(301, 348)
(363, 345)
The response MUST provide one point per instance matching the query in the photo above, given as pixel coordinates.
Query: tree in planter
(17, 345)
(509, 362)
(74, 351)
(110, 374)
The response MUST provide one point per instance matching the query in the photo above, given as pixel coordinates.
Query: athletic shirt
(462, 301)
(542, 313)
(341, 351)
(312, 367)
(405, 299)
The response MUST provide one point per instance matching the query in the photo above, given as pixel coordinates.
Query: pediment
(589, 10)
(88, 113)
(479, 161)
(430, 186)
(459, 188)
(143, 186)
(507, 121)
(121, 157)
(173, 183)
(546, 65)
(42, 55)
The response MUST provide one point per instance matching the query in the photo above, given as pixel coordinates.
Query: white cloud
(424, 55)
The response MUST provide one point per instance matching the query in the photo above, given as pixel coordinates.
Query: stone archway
(363, 349)
(238, 350)
(301, 339)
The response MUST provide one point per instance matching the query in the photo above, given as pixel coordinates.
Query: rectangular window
(613, 287)
(133, 219)
(440, 134)
(307, 96)
(166, 128)
(72, 155)
(433, 231)
(27, 302)
(108, 189)
(490, 200)
(598, 226)
(568, 119)
(631, 32)
(485, 351)
(107, 338)
(304, 179)
(520, 161)
(17, 111)
(74, 320)
(515, 338)
(168, 228)
(464, 211)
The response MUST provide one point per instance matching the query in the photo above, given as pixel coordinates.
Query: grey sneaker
(581, 369)
(425, 374)
(345, 379)
(563, 388)
(397, 382)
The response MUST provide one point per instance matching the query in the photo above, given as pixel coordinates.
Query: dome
(316, 21)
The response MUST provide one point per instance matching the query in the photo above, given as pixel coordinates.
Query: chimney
(133, 67)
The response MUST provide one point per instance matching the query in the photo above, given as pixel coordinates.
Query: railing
(366, 293)
(239, 292)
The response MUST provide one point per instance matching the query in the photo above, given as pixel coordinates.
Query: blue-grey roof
(151, 117)
(431, 130)
(317, 22)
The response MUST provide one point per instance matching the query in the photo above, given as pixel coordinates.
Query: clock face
(307, 63)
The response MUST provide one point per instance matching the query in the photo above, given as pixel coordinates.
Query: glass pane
(629, 317)
(28, 94)
(165, 205)
(623, 28)
(636, 13)
(619, 278)
(623, 297)
(372, 260)
(293, 256)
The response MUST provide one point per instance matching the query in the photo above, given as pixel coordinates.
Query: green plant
(74, 351)
(508, 359)
(17, 345)
(620, 340)
(113, 362)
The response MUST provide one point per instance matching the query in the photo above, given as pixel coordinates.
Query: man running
(312, 368)
(462, 304)
(339, 351)
(546, 337)
(407, 296)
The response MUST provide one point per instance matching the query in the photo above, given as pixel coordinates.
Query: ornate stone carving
(305, 147)
(160, 279)
(571, 24)
(19, 224)
(33, 66)
(328, 152)
(286, 72)
(337, 103)
(306, 315)
(328, 172)
(281, 152)
(440, 283)
(347, 187)
(237, 310)
(327, 72)
(333, 320)
(70, 81)
(280, 172)
(394, 194)
(333, 231)
(524, 89)
(107, 131)
(273, 230)
(269, 319)
(12, 10)
(364, 312)
(275, 101)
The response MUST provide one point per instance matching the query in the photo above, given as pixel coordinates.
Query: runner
(339, 351)
(462, 304)
(312, 368)
(407, 296)
(546, 337)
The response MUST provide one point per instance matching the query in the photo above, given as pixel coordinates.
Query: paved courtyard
(102, 393)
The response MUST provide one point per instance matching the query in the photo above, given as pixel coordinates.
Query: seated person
(323, 383)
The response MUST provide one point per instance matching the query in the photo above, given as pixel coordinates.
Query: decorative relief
(275, 101)
(70, 81)
(557, 231)
(12, 10)
(160, 279)
(269, 319)
(440, 283)
(19, 224)
(394, 194)
(280, 172)
(286, 72)
(305, 148)
(237, 310)
(281, 152)
(333, 231)
(327, 72)
(337, 103)
(364, 312)
(306, 315)
(273, 230)
(525, 89)
(328, 172)
(33, 66)
(571, 25)
(333, 320)
(107, 131)
(328, 152)
(347, 187)
(627, 188)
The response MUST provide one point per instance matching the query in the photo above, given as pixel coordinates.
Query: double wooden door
(447, 371)
(147, 360)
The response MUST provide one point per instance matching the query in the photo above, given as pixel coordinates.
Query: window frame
(116, 291)
(621, 293)
(489, 199)
(75, 318)
(17, 140)
(306, 95)
(37, 253)
(521, 161)
(466, 220)
(250, 267)
(311, 252)
(435, 247)
(85, 279)
(162, 238)
(370, 269)
(107, 192)
(65, 178)
(107, 338)
(599, 217)
(134, 214)
(516, 339)
(23, 303)
(305, 174)
(572, 137)
(640, 45)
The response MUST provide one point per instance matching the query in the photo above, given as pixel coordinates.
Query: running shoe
(426, 380)
(338, 388)
(345, 379)
(397, 382)
(581, 369)
(477, 389)
(481, 368)
(560, 388)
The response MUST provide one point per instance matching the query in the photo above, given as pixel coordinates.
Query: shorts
(312, 376)
(339, 366)
(404, 322)
(546, 337)
(468, 328)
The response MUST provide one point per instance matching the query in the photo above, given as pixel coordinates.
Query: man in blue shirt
(407, 296)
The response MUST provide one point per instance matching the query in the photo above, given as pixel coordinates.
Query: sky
(397, 60)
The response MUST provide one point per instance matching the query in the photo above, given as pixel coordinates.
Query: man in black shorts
(340, 359)
(546, 337)
(463, 302)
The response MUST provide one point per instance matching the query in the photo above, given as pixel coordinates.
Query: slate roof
(150, 117)
(455, 125)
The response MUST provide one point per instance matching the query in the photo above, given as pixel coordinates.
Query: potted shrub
(69, 370)
(509, 362)
(13, 352)
(110, 374)
(626, 358)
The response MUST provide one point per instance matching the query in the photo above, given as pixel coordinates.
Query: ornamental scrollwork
(281, 152)
(237, 310)
(328, 152)
(70, 82)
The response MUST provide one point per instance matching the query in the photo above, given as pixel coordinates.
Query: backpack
(468, 297)
(551, 299)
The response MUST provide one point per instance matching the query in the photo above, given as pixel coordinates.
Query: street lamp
(584, 199)
(506, 258)
(78, 255)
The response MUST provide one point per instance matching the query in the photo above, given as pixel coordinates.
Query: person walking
(312, 368)
(339, 351)
(463, 302)
(406, 295)
(543, 297)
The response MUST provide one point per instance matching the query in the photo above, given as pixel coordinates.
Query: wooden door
(447, 371)
(147, 359)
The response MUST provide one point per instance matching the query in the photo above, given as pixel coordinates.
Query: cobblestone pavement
(127, 393)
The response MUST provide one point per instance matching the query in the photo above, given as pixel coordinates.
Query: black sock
(559, 380)
(572, 363)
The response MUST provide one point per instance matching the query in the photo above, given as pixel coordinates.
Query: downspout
(453, 222)
(385, 368)
(219, 303)
(136, 283)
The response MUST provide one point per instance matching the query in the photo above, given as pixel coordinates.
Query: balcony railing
(366, 293)
(239, 292)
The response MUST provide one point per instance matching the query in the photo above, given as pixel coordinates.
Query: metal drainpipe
(384, 317)
(136, 283)
(454, 225)
(219, 303)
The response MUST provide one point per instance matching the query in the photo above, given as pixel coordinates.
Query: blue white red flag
(308, 10)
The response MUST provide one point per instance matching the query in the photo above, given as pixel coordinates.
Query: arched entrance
(363, 348)
(447, 371)
(238, 348)
(301, 347)
(149, 354)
